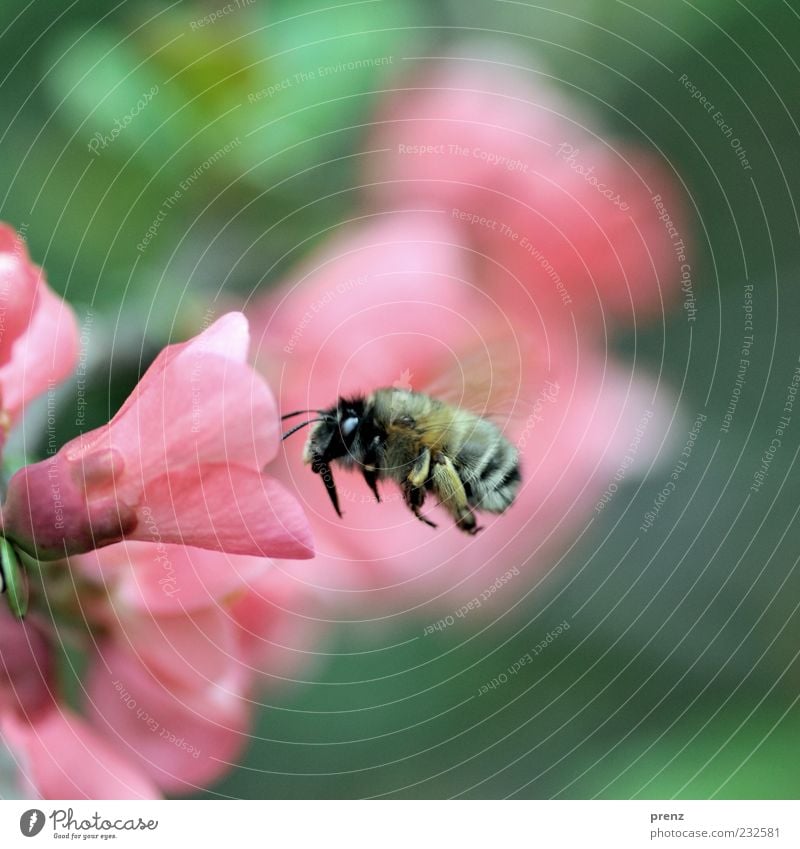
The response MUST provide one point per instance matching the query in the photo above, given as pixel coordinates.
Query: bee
(424, 445)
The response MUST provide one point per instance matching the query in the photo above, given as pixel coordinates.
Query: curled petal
(227, 337)
(226, 509)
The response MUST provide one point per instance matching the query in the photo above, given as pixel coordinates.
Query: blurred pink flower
(179, 463)
(19, 283)
(174, 681)
(401, 300)
(524, 174)
(172, 695)
(38, 331)
(174, 674)
(61, 757)
(45, 739)
(167, 579)
(26, 665)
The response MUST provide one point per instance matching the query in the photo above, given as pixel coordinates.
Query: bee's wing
(492, 381)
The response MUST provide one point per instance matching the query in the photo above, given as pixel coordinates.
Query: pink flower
(386, 291)
(174, 681)
(274, 611)
(19, 283)
(38, 331)
(26, 665)
(574, 219)
(44, 739)
(174, 669)
(400, 300)
(179, 463)
(171, 695)
(179, 637)
(61, 757)
(167, 579)
(40, 735)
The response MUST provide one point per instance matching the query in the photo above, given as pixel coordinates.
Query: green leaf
(15, 582)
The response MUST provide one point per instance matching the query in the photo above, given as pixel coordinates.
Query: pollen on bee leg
(421, 469)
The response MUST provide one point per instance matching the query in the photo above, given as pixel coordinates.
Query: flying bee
(422, 444)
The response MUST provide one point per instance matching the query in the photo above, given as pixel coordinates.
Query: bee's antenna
(298, 427)
(297, 413)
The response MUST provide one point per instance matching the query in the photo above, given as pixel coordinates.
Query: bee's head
(335, 435)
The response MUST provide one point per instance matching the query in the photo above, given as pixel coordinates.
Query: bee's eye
(349, 425)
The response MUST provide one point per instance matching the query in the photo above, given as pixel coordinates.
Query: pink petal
(494, 147)
(376, 305)
(27, 671)
(461, 131)
(194, 403)
(43, 356)
(19, 282)
(280, 626)
(188, 651)
(164, 579)
(207, 410)
(182, 738)
(575, 243)
(225, 509)
(66, 759)
(228, 337)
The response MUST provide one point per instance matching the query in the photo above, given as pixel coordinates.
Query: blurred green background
(680, 675)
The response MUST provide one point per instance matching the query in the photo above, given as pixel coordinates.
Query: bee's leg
(370, 467)
(420, 470)
(415, 498)
(321, 468)
(450, 490)
(414, 486)
(371, 477)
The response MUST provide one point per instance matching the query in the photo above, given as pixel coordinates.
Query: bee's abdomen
(491, 478)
